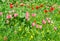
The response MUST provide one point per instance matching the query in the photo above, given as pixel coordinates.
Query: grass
(20, 29)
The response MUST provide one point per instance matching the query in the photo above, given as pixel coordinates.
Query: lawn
(29, 20)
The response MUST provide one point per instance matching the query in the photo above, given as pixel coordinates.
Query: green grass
(19, 29)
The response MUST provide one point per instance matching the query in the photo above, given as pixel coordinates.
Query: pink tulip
(55, 28)
(33, 24)
(15, 15)
(43, 21)
(27, 16)
(9, 16)
(1, 13)
(40, 27)
(33, 15)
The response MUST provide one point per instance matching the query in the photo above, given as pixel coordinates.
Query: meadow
(29, 20)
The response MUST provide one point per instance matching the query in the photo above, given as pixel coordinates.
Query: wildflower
(37, 7)
(9, 16)
(43, 21)
(40, 27)
(33, 24)
(27, 16)
(45, 11)
(32, 8)
(41, 5)
(33, 15)
(37, 26)
(51, 9)
(55, 28)
(49, 21)
(15, 15)
(1, 13)
(11, 5)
